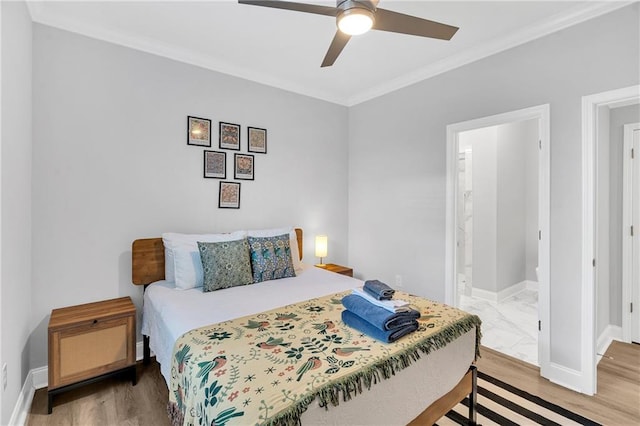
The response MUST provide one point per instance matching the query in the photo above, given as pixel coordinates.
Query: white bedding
(168, 313)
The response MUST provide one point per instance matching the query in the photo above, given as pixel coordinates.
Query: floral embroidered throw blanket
(267, 368)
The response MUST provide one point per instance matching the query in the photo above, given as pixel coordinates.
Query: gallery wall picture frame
(257, 140)
(198, 131)
(243, 166)
(215, 164)
(229, 196)
(229, 136)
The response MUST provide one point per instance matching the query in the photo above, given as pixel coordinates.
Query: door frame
(590, 104)
(2, 391)
(542, 113)
(627, 222)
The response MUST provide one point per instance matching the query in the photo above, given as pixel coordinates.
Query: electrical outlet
(398, 280)
(4, 376)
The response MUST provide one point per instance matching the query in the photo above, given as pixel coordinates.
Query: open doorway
(492, 257)
(497, 245)
(596, 282)
(616, 210)
(631, 229)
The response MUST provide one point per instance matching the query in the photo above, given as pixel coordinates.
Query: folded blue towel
(354, 321)
(377, 316)
(378, 289)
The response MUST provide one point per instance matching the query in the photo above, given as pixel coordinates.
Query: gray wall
(512, 190)
(403, 134)
(530, 130)
(617, 119)
(483, 143)
(111, 164)
(15, 258)
(504, 189)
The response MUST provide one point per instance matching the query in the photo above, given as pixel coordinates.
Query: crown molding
(556, 23)
(33, 9)
(173, 52)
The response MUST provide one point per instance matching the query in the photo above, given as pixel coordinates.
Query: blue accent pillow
(271, 258)
(225, 264)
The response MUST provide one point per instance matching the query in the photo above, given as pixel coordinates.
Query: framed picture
(243, 166)
(198, 131)
(229, 195)
(215, 164)
(257, 140)
(229, 136)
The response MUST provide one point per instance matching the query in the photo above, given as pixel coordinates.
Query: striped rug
(502, 404)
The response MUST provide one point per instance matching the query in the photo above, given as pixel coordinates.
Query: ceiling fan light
(355, 21)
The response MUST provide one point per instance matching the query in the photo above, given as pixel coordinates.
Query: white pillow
(188, 269)
(182, 264)
(293, 241)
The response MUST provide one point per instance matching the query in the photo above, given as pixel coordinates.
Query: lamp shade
(321, 246)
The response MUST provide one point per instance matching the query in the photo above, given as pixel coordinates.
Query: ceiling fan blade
(386, 20)
(297, 7)
(339, 42)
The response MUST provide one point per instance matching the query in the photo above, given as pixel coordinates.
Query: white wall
(111, 164)
(16, 198)
(618, 118)
(404, 207)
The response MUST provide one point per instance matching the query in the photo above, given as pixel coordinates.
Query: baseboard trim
(566, 377)
(38, 378)
(511, 290)
(23, 404)
(479, 293)
(139, 351)
(503, 294)
(609, 334)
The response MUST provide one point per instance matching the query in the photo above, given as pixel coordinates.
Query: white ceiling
(284, 49)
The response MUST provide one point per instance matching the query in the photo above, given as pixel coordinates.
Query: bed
(419, 394)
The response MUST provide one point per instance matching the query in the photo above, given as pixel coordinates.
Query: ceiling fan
(354, 17)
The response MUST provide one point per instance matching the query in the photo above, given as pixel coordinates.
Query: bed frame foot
(473, 398)
(146, 351)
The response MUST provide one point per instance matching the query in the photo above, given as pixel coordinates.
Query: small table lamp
(321, 248)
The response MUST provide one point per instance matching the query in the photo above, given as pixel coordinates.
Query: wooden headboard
(147, 259)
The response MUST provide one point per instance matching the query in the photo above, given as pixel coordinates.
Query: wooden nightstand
(338, 269)
(90, 342)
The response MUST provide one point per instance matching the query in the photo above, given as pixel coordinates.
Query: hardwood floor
(116, 402)
(110, 402)
(616, 403)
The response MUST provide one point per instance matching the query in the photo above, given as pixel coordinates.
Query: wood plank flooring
(110, 402)
(616, 403)
(116, 402)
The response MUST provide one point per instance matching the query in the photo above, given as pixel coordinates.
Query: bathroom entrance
(500, 249)
(497, 243)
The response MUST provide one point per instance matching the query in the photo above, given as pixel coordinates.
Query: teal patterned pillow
(271, 258)
(225, 264)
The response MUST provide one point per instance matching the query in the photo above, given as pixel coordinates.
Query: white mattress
(168, 313)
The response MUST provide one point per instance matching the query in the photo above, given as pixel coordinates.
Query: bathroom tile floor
(511, 326)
